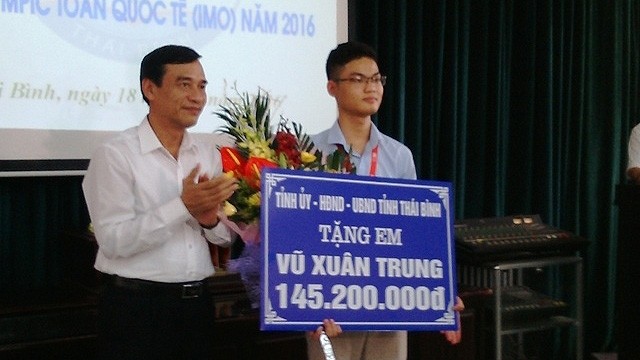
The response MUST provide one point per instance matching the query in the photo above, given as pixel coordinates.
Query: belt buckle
(190, 291)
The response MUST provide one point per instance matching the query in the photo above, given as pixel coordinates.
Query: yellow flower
(254, 199)
(307, 157)
(229, 209)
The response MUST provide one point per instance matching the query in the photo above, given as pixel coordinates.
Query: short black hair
(345, 53)
(153, 64)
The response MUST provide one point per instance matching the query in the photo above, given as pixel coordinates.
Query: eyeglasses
(362, 80)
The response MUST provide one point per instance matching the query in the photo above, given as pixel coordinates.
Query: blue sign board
(371, 253)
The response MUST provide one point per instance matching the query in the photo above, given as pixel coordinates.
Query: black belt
(184, 290)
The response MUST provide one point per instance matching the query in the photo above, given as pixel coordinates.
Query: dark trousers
(145, 322)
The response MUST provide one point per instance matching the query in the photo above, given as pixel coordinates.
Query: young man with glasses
(356, 83)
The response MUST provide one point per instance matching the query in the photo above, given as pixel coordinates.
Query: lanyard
(374, 158)
(374, 161)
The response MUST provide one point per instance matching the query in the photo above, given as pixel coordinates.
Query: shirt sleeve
(634, 148)
(219, 235)
(408, 166)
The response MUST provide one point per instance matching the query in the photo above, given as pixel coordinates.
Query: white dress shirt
(132, 189)
(634, 148)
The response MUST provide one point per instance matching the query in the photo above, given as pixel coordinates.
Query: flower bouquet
(257, 146)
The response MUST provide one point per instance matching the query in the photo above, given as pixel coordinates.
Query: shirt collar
(335, 136)
(150, 142)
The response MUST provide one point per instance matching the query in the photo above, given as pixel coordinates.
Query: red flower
(252, 170)
(286, 143)
(232, 160)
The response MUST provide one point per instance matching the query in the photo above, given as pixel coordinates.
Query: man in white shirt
(153, 194)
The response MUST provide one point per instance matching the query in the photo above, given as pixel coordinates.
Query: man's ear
(332, 87)
(148, 88)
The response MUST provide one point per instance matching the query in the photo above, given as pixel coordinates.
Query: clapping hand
(204, 197)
